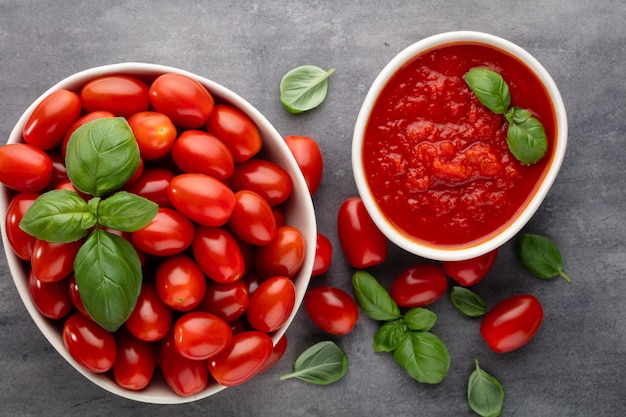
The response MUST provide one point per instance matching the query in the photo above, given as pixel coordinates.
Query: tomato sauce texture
(436, 159)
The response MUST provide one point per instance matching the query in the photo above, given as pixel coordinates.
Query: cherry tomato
(52, 261)
(363, 244)
(121, 95)
(419, 285)
(332, 309)
(236, 130)
(48, 123)
(153, 184)
(151, 318)
(228, 301)
(200, 335)
(323, 255)
(196, 151)
(155, 134)
(511, 323)
(59, 171)
(278, 351)
(167, 234)
(74, 294)
(271, 304)
(89, 344)
(471, 271)
(135, 361)
(242, 359)
(25, 168)
(184, 376)
(282, 256)
(308, 155)
(99, 114)
(21, 242)
(51, 298)
(203, 199)
(265, 178)
(218, 254)
(180, 282)
(184, 100)
(252, 219)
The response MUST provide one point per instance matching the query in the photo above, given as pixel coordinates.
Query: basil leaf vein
(540, 256)
(320, 364)
(390, 335)
(485, 394)
(468, 302)
(372, 298)
(126, 212)
(304, 88)
(420, 319)
(490, 89)
(424, 357)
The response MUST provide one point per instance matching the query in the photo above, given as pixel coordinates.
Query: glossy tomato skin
(284, 255)
(323, 255)
(512, 323)
(278, 351)
(121, 95)
(471, 271)
(48, 123)
(269, 180)
(184, 376)
(135, 361)
(74, 294)
(200, 335)
(418, 286)
(180, 282)
(151, 318)
(184, 100)
(363, 244)
(228, 300)
(98, 114)
(252, 219)
(332, 309)
(51, 298)
(52, 261)
(155, 134)
(167, 234)
(89, 344)
(153, 184)
(271, 304)
(25, 168)
(199, 152)
(218, 254)
(21, 242)
(308, 155)
(238, 132)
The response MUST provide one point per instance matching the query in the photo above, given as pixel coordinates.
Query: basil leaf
(304, 88)
(485, 394)
(424, 357)
(58, 216)
(526, 136)
(420, 319)
(108, 276)
(540, 256)
(372, 298)
(468, 302)
(101, 156)
(321, 364)
(490, 89)
(126, 212)
(390, 336)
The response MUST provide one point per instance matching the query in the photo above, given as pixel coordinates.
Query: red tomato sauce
(436, 159)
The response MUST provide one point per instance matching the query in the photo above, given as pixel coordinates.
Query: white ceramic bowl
(299, 212)
(431, 251)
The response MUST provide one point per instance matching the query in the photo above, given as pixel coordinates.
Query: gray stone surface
(575, 366)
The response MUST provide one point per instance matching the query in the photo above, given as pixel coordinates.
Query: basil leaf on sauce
(485, 394)
(321, 364)
(490, 88)
(540, 256)
(526, 136)
(304, 88)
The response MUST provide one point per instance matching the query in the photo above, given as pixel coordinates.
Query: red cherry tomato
(135, 362)
(236, 130)
(196, 151)
(282, 256)
(153, 184)
(323, 255)
(271, 304)
(167, 234)
(184, 376)
(155, 134)
(21, 242)
(180, 282)
(151, 318)
(203, 199)
(59, 171)
(74, 293)
(184, 100)
(53, 261)
(471, 271)
(363, 244)
(121, 95)
(308, 155)
(265, 178)
(99, 114)
(277, 353)
(242, 359)
(218, 254)
(48, 123)
(51, 298)
(228, 301)
(511, 323)
(419, 285)
(25, 168)
(200, 335)
(252, 219)
(89, 344)
(332, 309)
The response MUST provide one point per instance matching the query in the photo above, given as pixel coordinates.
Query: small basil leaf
(424, 357)
(540, 256)
(485, 394)
(390, 336)
(420, 319)
(468, 302)
(102, 155)
(321, 364)
(126, 212)
(304, 88)
(58, 216)
(490, 89)
(108, 276)
(372, 298)
(526, 136)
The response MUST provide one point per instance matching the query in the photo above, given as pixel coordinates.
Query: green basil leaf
(126, 212)
(390, 336)
(372, 298)
(526, 136)
(304, 88)
(468, 302)
(424, 357)
(485, 394)
(490, 89)
(540, 256)
(108, 276)
(58, 216)
(101, 156)
(321, 364)
(420, 319)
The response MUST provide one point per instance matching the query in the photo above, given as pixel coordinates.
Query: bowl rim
(495, 241)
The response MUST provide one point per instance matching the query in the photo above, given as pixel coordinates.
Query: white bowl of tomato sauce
(431, 162)
(294, 237)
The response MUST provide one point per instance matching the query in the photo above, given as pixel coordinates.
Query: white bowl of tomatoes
(158, 230)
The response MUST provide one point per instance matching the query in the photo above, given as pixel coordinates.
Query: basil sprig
(485, 394)
(540, 256)
(101, 156)
(321, 364)
(526, 136)
(304, 88)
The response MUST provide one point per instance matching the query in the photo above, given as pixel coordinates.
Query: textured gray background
(575, 366)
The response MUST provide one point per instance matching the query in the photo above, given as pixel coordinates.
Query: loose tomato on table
(308, 155)
(323, 255)
(331, 309)
(284, 255)
(25, 168)
(180, 282)
(419, 285)
(238, 132)
(151, 318)
(122, 95)
(155, 134)
(197, 151)
(135, 361)
(271, 304)
(89, 344)
(471, 271)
